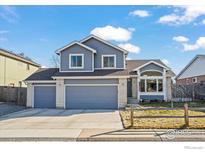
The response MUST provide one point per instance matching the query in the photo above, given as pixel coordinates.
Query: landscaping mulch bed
(162, 123)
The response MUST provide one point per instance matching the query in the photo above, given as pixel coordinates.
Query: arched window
(151, 73)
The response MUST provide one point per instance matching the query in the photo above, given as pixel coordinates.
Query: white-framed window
(194, 80)
(108, 61)
(151, 85)
(76, 61)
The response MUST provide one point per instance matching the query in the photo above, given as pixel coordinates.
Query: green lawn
(162, 123)
(175, 104)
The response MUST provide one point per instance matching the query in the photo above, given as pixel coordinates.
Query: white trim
(89, 77)
(104, 41)
(40, 81)
(124, 61)
(108, 55)
(194, 78)
(150, 63)
(43, 85)
(77, 71)
(151, 77)
(152, 93)
(106, 68)
(152, 70)
(72, 43)
(93, 62)
(76, 67)
(79, 85)
(157, 88)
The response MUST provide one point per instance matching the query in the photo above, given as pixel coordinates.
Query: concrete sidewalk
(142, 135)
(82, 125)
(100, 135)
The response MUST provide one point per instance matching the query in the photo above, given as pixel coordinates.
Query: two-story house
(94, 74)
(193, 72)
(15, 68)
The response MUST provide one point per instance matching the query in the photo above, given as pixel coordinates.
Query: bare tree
(55, 61)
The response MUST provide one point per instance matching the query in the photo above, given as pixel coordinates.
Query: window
(151, 73)
(142, 85)
(76, 61)
(194, 80)
(108, 61)
(160, 85)
(151, 85)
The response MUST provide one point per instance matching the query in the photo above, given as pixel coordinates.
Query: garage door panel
(91, 97)
(44, 96)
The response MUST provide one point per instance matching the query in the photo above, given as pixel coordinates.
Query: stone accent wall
(30, 95)
(122, 93)
(60, 101)
(169, 88)
(188, 81)
(134, 87)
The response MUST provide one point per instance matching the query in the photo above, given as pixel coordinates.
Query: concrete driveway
(54, 123)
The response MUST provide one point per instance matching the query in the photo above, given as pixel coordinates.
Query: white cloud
(8, 13)
(203, 22)
(165, 61)
(183, 15)
(128, 58)
(44, 66)
(140, 13)
(113, 33)
(200, 43)
(130, 47)
(180, 39)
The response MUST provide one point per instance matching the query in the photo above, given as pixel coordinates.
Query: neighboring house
(15, 68)
(94, 74)
(194, 72)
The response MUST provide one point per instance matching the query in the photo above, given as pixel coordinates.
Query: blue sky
(173, 34)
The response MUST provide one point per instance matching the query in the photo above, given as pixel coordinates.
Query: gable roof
(133, 64)
(10, 54)
(188, 65)
(73, 43)
(105, 42)
(50, 73)
(137, 64)
(42, 74)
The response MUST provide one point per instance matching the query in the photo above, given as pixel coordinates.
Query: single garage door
(91, 97)
(45, 96)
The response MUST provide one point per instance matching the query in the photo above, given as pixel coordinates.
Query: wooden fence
(185, 117)
(13, 94)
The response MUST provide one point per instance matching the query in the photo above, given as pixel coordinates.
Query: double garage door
(91, 97)
(78, 97)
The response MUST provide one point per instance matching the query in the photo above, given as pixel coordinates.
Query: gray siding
(152, 67)
(152, 97)
(93, 81)
(91, 97)
(45, 97)
(101, 49)
(76, 49)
